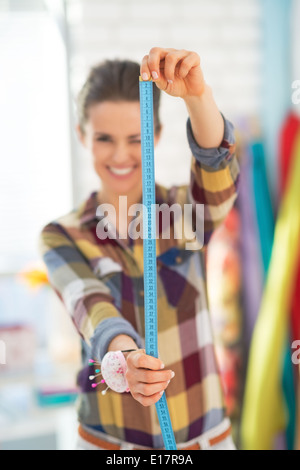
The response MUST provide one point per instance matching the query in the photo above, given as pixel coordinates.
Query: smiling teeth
(121, 171)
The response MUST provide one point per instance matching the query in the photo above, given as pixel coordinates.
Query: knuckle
(142, 361)
(171, 59)
(154, 50)
(184, 67)
(145, 389)
(145, 401)
(196, 57)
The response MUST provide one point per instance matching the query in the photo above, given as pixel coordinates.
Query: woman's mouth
(124, 171)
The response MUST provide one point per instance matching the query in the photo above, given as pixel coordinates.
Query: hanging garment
(224, 295)
(252, 268)
(263, 410)
(287, 140)
(264, 210)
(297, 443)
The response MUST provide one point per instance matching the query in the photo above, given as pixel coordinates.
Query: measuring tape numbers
(149, 248)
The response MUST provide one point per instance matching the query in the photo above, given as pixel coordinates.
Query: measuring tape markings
(149, 248)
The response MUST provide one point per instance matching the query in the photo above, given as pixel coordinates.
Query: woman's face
(113, 136)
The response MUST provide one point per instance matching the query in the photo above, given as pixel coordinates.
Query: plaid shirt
(101, 285)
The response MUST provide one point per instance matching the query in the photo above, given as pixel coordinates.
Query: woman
(100, 279)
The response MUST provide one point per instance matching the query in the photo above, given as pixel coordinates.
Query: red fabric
(289, 133)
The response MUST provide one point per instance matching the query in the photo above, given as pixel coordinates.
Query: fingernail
(170, 82)
(154, 75)
(172, 374)
(162, 366)
(145, 76)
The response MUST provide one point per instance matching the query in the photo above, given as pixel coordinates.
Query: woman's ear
(80, 134)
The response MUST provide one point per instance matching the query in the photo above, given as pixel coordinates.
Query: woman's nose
(120, 153)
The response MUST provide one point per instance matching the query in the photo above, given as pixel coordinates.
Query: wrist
(196, 100)
(122, 343)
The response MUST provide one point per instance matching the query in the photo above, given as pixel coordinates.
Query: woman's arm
(179, 74)
(214, 168)
(86, 298)
(206, 120)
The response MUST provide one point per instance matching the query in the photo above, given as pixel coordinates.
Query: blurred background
(250, 57)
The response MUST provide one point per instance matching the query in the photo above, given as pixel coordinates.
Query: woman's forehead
(109, 117)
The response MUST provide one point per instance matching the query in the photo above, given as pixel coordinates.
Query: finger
(151, 389)
(156, 55)
(151, 377)
(171, 61)
(144, 69)
(147, 401)
(187, 64)
(140, 360)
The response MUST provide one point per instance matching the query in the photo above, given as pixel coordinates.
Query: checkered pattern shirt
(100, 282)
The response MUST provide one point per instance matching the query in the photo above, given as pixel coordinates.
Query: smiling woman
(109, 127)
(112, 135)
(100, 279)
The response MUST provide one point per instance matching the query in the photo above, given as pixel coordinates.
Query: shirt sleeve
(213, 157)
(87, 299)
(213, 179)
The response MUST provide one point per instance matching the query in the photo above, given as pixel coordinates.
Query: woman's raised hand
(177, 72)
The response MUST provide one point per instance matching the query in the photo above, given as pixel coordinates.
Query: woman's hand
(146, 378)
(177, 72)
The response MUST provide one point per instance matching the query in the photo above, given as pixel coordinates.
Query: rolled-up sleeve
(212, 190)
(86, 298)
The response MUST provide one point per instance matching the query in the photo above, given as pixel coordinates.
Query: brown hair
(113, 80)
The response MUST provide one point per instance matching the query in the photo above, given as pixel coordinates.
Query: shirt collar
(87, 211)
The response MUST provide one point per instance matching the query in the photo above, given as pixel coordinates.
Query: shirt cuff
(212, 157)
(107, 330)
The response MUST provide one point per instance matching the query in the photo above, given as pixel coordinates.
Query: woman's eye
(137, 141)
(103, 139)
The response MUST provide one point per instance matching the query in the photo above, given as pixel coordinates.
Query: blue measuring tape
(149, 248)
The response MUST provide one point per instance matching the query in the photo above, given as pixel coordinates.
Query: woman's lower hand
(177, 72)
(146, 377)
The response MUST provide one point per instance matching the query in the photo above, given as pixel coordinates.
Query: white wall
(226, 35)
(34, 133)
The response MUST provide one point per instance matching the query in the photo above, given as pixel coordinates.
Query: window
(35, 176)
